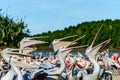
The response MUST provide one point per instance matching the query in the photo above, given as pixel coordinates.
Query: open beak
(66, 37)
(64, 43)
(95, 49)
(39, 37)
(67, 50)
(74, 42)
(23, 65)
(18, 54)
(96, 36)
(50, 45)
(76, 47)
(28, 50)
(60, 43)
(14, 50)
(32, 42)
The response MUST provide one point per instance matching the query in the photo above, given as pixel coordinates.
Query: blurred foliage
(11, 31)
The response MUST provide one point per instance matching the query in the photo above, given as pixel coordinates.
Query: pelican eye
(15, 57)
(9, 49)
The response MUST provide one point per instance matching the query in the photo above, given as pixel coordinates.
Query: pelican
(90, 53)
(12, 72)
(57, 43)
(61, 58)
(106, 60)
(28, 41)
(15, 70)
(70, 73)
(7, 59)
(14, 64)
(4, 53)
(55, 75)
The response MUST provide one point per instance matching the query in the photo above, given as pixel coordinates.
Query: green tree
(110, 30)
(11, 31)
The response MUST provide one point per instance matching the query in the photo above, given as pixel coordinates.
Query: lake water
(74, 53)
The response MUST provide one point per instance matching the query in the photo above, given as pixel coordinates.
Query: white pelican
(14, 64)
(4, 53)
(70, 72)
(91, 52)
(28, 41)
(10, 75)
(55, 75)
(15, 70)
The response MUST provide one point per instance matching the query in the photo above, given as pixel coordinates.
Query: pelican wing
(18, 54)
(23, 65)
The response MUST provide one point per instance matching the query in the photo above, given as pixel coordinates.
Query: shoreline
(46, 49)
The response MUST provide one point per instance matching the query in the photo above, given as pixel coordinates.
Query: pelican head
(57, 43)
(93, 50)
(64, 50)
(5, 51)
(9, 50)
(89, 49)
(13, 58)
(28, 41)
